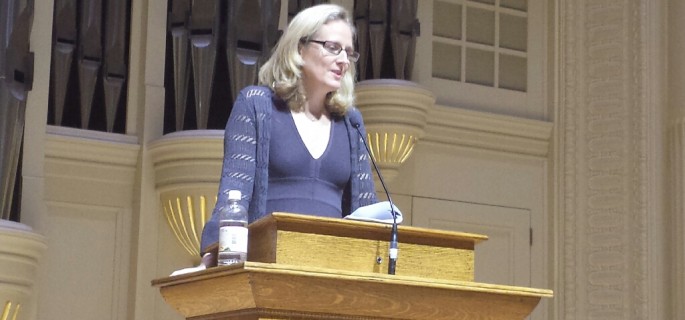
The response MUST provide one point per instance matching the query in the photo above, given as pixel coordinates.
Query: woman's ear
(300, 46)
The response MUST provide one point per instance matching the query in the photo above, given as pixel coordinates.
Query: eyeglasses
(335, 48)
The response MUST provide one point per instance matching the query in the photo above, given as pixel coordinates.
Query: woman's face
(322, 69)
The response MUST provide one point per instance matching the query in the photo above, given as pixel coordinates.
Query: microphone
(393, 250)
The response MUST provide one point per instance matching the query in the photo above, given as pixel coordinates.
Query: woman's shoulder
(257, 101)
(251, 92)
(354, 115)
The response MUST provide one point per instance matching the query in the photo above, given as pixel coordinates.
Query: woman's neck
(315, 111)
(315, 105)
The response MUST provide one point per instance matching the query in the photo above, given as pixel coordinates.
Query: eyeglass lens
(336, 48)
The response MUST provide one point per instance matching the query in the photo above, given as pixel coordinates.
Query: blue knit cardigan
(246, 159)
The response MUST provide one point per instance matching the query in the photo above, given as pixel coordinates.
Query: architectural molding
(188, 157)
(187, 166)
(91, 146)
(90, 168)
(461, 127)
(395, 114)
(20, 252)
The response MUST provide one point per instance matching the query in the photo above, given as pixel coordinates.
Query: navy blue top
(247, 140)
(298, 183)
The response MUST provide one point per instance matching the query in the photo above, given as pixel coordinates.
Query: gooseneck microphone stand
(393, 251)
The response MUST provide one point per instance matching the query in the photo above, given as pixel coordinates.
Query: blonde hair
(283, 73)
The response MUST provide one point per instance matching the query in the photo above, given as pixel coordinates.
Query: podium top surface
(364, 230)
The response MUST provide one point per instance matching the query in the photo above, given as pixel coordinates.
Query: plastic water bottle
(232, 230)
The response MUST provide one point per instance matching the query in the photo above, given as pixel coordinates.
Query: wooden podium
(304, 267)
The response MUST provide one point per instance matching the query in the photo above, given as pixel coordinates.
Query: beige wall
(93, 195)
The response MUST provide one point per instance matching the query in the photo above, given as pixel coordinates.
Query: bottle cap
(234, 195)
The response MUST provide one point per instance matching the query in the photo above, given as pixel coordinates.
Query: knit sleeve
(363, 190)
(239, 162)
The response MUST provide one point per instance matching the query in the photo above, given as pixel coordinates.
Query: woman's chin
(333, 85)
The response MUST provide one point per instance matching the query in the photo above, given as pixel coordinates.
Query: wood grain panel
(357, 246)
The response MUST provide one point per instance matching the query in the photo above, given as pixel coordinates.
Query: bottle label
(233, 239)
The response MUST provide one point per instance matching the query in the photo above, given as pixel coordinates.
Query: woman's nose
(343, 58)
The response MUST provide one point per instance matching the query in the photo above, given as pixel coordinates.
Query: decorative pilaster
(676, 101)
(602, 169)
(678, 148)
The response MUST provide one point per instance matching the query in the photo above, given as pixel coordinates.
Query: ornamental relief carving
(602, 205)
